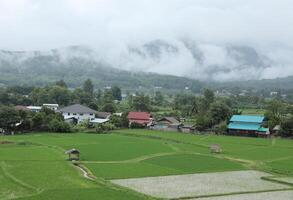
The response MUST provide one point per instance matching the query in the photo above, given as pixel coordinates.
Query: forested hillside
(75, 66)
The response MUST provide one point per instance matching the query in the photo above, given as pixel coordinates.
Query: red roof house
(142, 118)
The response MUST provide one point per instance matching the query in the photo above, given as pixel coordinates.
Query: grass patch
(102, 193)
(189, 163)
(10, 188)
(32, 153)
(120, 148)
(36, 163)
(128, 170)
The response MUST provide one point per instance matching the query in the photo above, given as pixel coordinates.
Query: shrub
(59, 126)
(102, 128)
(136, 125)
(119, 122)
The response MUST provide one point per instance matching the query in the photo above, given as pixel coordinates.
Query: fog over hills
(204, 62)
(206, 40)
(184, 58)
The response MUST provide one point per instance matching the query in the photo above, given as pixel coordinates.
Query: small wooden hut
(73, 154)
(216, 148)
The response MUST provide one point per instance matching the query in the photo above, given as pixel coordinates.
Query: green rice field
(35, 166)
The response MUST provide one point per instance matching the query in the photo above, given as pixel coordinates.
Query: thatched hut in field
(216, 148)
(73, 154)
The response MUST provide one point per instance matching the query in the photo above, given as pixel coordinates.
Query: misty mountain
(204, 62)
(157, 63)
(76, 64)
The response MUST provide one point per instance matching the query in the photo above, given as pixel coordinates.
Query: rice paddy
(205, 184)
(35, 166)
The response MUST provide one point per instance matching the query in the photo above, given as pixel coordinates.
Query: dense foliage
(205, 111)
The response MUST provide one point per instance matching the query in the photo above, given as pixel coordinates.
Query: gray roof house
(77, 108)
(78, 112)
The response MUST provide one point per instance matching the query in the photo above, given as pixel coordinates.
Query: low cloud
(214, 40)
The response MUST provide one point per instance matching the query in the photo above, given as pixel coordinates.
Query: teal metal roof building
(247, 125)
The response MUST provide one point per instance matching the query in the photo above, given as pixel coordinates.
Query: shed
(216, 148)
(167, 123)
(73, 154)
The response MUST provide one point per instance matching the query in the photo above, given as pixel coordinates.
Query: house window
(81, 114)
(68, 113)
(74, 113)
(91, 114)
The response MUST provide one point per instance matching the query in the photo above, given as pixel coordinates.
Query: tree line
(206, 111)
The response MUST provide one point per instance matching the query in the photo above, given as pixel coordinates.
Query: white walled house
(78, 112)
(53, 107)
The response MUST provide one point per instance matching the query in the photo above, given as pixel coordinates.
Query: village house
(78, 112)
(53, 107)
(247, 125)
(167, 124)
(142, 118)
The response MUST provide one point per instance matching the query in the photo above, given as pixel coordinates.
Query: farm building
(168, 124)
(73, 154)
(247, 125)
(142, 118)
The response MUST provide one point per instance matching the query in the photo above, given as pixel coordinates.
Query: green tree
(203, 122)
(158, 98)
(116, 93)
(61, 83)
(209, 96)
(186, 104)
(88, 87)
(82, 97)
(56, 125)
(219, 112)
(120, 122)
(8, 118)
(108, 97)
(4, 97)
(40, 96)
(275, 112)
(94, 106)
(287, 127)
(141, 103)
(109, 107)
(60, 95)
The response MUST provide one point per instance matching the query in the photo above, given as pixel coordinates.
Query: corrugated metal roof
(247, 118)
(139, 115)
(244, 126)
(77, 108)
(172, 120)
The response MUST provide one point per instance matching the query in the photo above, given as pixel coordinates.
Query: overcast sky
(113, 24)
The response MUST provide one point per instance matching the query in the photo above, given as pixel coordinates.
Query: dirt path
(135, 160)
(84, 171)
